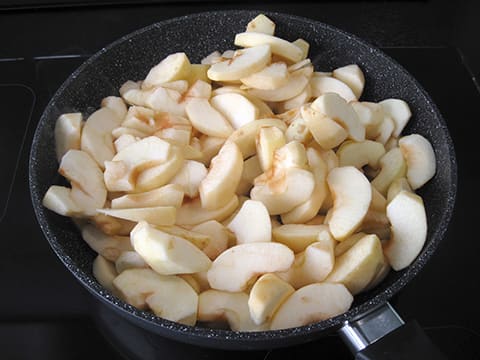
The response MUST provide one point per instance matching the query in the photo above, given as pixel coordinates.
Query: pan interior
(132, 56)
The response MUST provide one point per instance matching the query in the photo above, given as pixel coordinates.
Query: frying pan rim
(170, 328)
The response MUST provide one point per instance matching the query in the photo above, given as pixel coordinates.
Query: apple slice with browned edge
(268, 139)
(236, 267)
(156, 215)
(110, 247)
(266, 296)
(252, 223)
(167, 254)
(352, 194)
(168, 195)
(326, 131)
(312, 303)
(218, 235)
(406, 213)
(261, 24)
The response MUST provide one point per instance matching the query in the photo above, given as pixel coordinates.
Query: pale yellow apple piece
(209, 146)
(223, 177)
(352, 194)
(370, 115)
(336, 108)
(123, 141)
(218, 237)
(144, 153)
(232, 307)
(406, 213)
(312, 265)
(271, 77)
(252, 223)
(86, 178)
(207, 119)
(385, 130)
(251, 169)
(346, 244)
(201, 241)
(236, 108)
(266, 296)
(282, 189)
(396, 186)
(279, 46)
(198, 72)
(290, 155)
(359, 154)
(212, 58)
(264, 111)
(245, 136)
(167, 254)
(110, 247)
(174, 67)
(299, 100)
(353, 76)
(400, 113)
(122, 130)
(302, 45)
(326, 132)
(157, 215)
(129, 260)
(261, 24)
(189, 177)
(168, 195)
(298, 131)
(393, 166)
(116, 104)
(379, 203)
(131, 93)
(297, 236)
(59, 200)
(312, 303)
(356, 267)
(97, 138)
(162, 99)
(420, 159)
(244, 63)
(268, 140)
(178, 85)
(326, 84)
(112, 226)
(236, 267)
(68, 130)
(192, 213)
(104, 271)
(295, 85)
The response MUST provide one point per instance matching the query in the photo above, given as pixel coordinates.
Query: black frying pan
(132, 56)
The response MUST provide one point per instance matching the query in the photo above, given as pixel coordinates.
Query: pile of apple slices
(249, 189)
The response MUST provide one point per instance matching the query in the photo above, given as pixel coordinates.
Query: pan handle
(382, 334)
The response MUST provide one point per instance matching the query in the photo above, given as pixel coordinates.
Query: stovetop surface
(44, 312)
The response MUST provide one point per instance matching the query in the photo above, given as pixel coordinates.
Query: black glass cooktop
(46, 314)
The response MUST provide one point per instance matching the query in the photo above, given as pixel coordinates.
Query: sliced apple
(244, 63)
(123, 141)
(326, 84)
(237, 109)
(158, 215)
(129, 260)
(370, 115)
(59, 200)
(406, 213)
(326, 132)
(420, 159)
(192, 213)
(218, 237)
(104, 271)
(168, 195)
(312, 303)
(112, 226)
(201, 88)
(297, 236)
(162, 99)
(116, 104)
(317, 220)
(353, 76)
(207, 119)
(359, 154)
(131, 93)
(251, 169)
(393, 166)
(214, 306)
(299, 100)
(201, 241)
(122, 130)
(174, 67)
(336, 108)
(356, 267)
(352, 194)
(294, 86)
(312, 265)
(268, 140)
(110, 247)
(279, 46)
(261, 24)
(223, 177)
(88, 189)
(281, 189)
(396, 186)
(245, 136)
(252, 223)
(266, 296)
(302, 45)
(68, 130)
(346, 244)
(97, 138)
(240, 264)
(175, 301)
(399, 111)
(385, 130)
(189, 177)
(165, 253)
(271, 77)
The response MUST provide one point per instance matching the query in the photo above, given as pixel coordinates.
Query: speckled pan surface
(131, 57)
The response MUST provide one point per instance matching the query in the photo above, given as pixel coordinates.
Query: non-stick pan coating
(132, 56)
